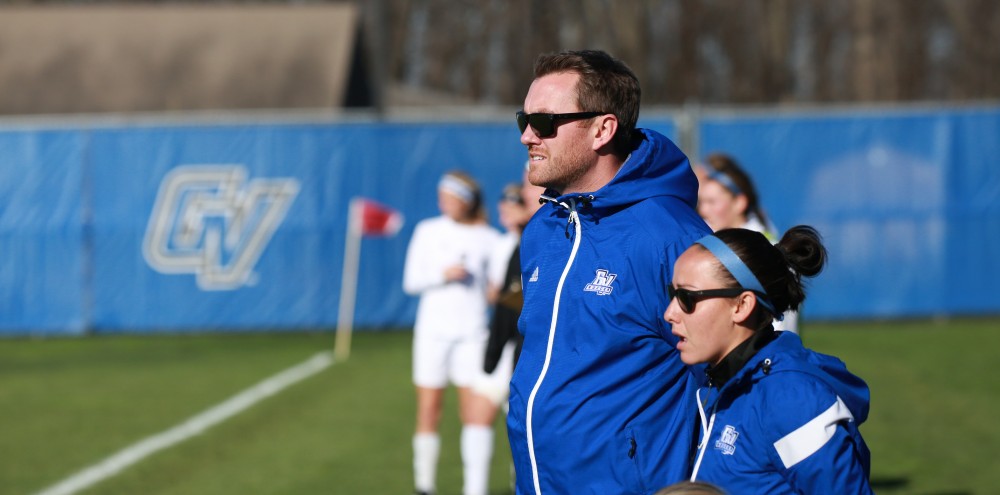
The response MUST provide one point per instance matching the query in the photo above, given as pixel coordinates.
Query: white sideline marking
(193, 426)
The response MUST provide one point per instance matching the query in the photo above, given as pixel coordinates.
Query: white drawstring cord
(706, 433)
(574, 219)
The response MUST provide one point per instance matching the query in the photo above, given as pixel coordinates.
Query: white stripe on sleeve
(810, 437)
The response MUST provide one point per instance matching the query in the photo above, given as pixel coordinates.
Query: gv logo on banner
(209, 221)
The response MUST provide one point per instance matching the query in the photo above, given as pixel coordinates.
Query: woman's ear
(740, 204)
(745, 305)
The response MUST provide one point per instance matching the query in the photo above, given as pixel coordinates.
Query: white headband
(457, 187)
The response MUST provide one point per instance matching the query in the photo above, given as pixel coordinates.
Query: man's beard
(559, 173)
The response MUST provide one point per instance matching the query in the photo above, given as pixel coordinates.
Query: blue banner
(42, 241)
(242, 227)
(194, 227)
(907, 202)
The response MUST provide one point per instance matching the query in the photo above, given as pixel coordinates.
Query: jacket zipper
(574, 219)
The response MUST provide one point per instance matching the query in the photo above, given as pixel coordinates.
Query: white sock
(426, 448)
(477, 451)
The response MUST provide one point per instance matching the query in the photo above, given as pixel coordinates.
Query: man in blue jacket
(600, 402)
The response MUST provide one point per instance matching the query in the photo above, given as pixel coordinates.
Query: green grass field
(69, 403)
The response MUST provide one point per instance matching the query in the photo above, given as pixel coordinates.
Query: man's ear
(605, 127)
(745, 305)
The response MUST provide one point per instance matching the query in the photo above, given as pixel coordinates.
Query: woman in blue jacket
(775, 417)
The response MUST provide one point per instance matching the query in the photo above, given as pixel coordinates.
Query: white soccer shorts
(496, 386)
(436, 361)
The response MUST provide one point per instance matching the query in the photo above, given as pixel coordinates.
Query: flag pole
(348, 282)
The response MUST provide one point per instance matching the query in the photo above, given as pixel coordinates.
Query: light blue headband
(739, 270)
(723, 179)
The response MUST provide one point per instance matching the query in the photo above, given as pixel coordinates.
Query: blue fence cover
(908, 203)
(243, 226)
(42, 269)
(196, 227)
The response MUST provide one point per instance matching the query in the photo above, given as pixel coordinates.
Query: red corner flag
(364, 218)
(376, 219)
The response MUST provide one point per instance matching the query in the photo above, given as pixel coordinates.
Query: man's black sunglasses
(544, 124)
(686, 299)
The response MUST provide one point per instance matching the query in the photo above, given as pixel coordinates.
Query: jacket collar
(730, 365)
(655, 167)
(783, 351)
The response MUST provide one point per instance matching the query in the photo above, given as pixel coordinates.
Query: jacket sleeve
(421, 272)
(816, 444)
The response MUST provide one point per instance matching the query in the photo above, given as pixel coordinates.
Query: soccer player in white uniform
(446, 265)
(517, 205)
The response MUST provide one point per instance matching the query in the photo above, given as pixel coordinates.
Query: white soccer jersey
(500, 258)
(453, 309)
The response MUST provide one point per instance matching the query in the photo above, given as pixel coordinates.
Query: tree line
(703, 51)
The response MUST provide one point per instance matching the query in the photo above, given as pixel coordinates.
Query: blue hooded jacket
(600, 402)
(786, 422)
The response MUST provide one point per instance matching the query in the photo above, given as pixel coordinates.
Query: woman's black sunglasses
(544, 124)
(686, 299)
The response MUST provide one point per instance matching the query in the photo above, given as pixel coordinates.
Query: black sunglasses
(686, 299)
(544, 124)
(511, 198)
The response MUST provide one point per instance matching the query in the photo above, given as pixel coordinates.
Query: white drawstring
(706, 427)
(573, 219)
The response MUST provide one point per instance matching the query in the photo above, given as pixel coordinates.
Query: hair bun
(802, 247)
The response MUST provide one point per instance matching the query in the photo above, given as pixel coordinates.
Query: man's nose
(529, 137)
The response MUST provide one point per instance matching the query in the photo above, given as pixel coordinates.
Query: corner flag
(377, 219)
(365, 217)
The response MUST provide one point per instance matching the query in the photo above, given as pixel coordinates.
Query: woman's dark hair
(691, 488)
(727, 165)
(779, 268)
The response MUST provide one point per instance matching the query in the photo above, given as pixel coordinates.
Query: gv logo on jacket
(727, 440)
(602, 283)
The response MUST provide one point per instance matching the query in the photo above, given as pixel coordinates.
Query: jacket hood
(786, 353)
(656, 167)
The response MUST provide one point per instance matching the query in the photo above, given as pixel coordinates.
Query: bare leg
(429, 405)
(475, 409)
